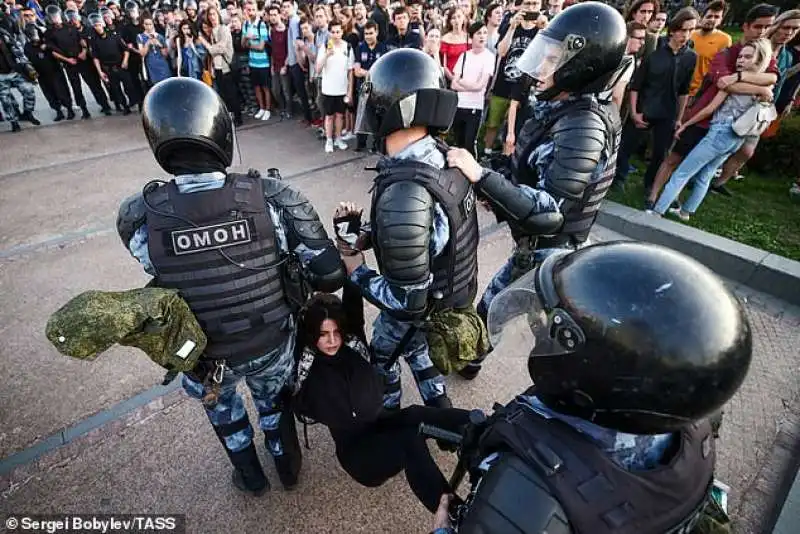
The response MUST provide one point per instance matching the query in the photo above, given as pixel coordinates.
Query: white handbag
(755, 120)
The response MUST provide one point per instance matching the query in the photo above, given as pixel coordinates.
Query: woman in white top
(473, 70)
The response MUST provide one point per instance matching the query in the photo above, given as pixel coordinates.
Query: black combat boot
(70, 113)
(442, 401)
(15, 127)
(59, 115)
(247, 473)
(289, 463)
(28, 117)
(85, 113)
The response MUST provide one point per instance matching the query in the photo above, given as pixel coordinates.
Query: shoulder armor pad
(132, 214)
(581, 140)
(302, 220)
(403, 219)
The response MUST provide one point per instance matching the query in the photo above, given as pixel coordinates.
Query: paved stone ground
(61, 186)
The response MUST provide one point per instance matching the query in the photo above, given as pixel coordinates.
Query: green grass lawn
(761, 213)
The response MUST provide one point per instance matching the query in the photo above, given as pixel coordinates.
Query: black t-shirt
(380, 17)
(409, 40)
(509, 76)
(108, 50)
(65, 40)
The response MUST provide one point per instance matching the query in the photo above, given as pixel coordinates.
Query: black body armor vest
(455, 270)
(562, 482)
(242, 309)
(579, 216)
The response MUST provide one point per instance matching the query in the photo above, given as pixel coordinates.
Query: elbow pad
(580, 140)
(518, 208)
(132, 214)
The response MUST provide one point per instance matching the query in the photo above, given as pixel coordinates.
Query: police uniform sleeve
(530, 214)
(132, 215)
(306, 236)
(580, 141)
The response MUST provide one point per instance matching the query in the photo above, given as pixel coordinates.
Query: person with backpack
(338, 387)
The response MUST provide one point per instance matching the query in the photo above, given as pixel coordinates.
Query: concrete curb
(755, 268)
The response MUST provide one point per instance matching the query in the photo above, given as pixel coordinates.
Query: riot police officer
(129, 31)
(51, 77)
(67, 46)
(85, 63)
(631, 347)
(566, 153)
(226, 242)
(424, 222)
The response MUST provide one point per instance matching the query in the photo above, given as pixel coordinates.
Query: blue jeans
(709, 154)
(266, 377)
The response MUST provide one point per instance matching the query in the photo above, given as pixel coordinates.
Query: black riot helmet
(132, 9)
(188, 126)
(404, 88)
(72, 16)
(53, 14)
(580, 51)
(631, 336)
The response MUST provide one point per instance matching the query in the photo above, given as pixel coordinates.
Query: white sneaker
(348, 136)
(259, 114)
(329, 146)
(340, 144)
(679, 213)
(266, 115)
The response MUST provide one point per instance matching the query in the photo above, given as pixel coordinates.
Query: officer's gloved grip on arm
(517, 207)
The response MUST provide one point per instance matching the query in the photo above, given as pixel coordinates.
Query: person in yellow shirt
(708, 41)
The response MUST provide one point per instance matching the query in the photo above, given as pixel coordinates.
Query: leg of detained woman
(698, 158)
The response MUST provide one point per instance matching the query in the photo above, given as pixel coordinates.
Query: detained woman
(339, 388)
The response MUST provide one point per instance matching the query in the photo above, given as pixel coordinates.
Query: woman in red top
(455, 41)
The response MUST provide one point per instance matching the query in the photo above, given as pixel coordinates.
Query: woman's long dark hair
(179, 38)
(320, 307)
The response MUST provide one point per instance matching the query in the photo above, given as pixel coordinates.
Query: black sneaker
(15, 127)
(70, 114)
(59, 116)
(649, 205)
(721, 190)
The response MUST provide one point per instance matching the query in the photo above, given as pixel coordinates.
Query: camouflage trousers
(16, 81)
(387, 333)
(266, 378)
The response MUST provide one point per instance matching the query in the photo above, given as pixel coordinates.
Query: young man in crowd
(319, 41)
(722, 75)
(294, 69)
(335, 65)
(380, 16)
(708, 42)
(360, 19)
(402, 37)
(642, 11)
(281, 81)
(417, 25)
(658, 98)
(658, 22)
(637, 33)
(520, 32)
(554, 7)
(368, 52)
(255, 37)
(247, 96)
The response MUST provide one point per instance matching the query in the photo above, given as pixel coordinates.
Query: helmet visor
(545, 55)
(365, 117)
(53, 14)
(72, 15)
(521, 326)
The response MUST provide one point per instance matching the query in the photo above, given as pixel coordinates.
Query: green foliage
(761, 213)
(780, 154)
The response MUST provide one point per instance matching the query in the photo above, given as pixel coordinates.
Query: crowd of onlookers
(688, 83)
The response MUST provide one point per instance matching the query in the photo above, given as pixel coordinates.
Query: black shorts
(332, 105)
(259, 77)
(689, 139)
